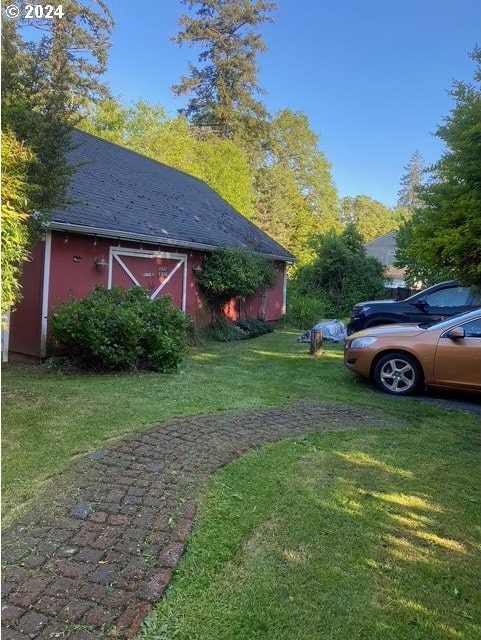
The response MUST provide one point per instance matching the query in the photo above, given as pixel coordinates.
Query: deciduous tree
(15, 206)
(296, 197)
(371, 218)
(147, 129)
(341, 274)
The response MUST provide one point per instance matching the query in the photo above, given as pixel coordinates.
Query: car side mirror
(456, 334)
(422, 303)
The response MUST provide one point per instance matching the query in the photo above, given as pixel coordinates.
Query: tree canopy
(15, 193)
(443, 237)
(44, 84)
(147, 129)
(341, 272)
(296, 197)
(223, 88)
(370, 217)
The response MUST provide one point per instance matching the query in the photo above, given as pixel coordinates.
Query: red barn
(134, 221)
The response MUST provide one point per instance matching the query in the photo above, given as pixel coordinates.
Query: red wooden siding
(26, 318)
(76, 267)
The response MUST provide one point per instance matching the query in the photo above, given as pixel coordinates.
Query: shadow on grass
(337, 535)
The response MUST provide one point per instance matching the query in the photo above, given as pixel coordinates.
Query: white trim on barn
(109, 275)
(284, 292)
(45, 293)
(116, 252)
(139, 237)
(124, 267)
(5, 337)
(162, 284)
(184, 287)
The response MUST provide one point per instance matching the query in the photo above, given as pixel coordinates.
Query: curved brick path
(91, 562)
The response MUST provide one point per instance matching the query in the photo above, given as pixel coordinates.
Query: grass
(49, 417)
(345, 535)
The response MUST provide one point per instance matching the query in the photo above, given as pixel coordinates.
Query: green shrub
(119, 329)
(304, 310)
(224, 331)
(230, 273)
(254, 327)
(342, 274)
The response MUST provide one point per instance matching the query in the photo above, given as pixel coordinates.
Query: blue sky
(371, 75)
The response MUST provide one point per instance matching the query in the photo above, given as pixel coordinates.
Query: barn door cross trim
(117, 254)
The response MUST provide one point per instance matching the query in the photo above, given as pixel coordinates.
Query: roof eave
(125, 235)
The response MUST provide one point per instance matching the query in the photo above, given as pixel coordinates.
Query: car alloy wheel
(398, 373)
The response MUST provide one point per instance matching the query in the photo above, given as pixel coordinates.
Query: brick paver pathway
(91, 562)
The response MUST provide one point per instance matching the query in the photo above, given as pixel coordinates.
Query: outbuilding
(134, 221)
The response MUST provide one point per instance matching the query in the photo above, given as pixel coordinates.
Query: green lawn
(49, 417)
(370, 535)
(344, 535)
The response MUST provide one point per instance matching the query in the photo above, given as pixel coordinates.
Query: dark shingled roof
(120, 193)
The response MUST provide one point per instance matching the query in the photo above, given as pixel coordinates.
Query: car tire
(398, 373)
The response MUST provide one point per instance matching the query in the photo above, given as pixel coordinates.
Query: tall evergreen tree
(45, 84)
(443, 237)
(223, 88)
(408, 195)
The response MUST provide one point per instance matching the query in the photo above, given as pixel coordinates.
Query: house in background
(134, 221)
(384, 249)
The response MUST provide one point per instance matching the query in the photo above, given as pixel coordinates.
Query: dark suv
(431, 305)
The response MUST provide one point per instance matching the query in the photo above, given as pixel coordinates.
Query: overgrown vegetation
(15, 233)
(119, 329)
(304, 310)
(222, 330)
(232, 273)
(340, 276)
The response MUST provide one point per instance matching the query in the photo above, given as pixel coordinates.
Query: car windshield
(447, 323)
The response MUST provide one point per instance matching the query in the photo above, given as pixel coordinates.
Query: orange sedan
(402, 359)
